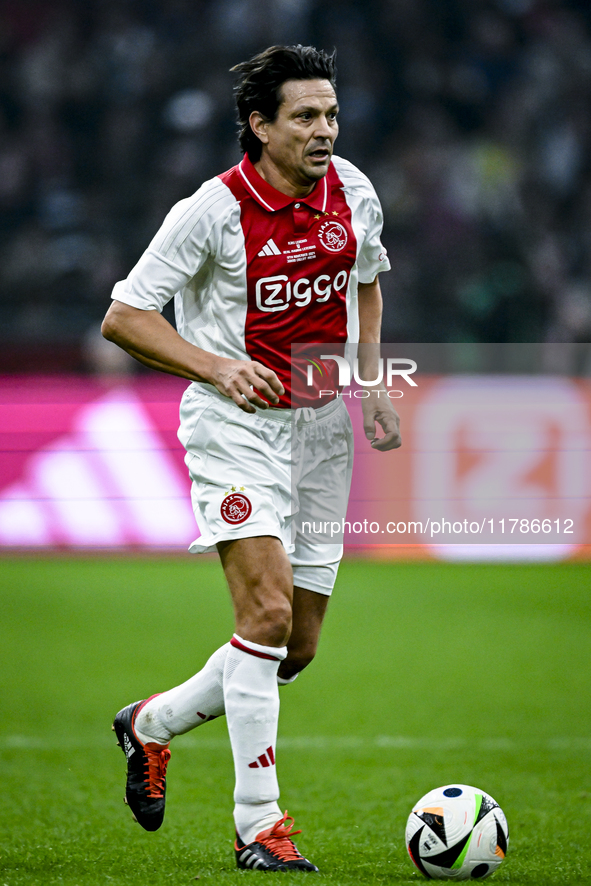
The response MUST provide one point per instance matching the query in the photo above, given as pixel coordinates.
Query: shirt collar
(271, 199)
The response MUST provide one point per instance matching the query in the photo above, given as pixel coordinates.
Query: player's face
(299, 142)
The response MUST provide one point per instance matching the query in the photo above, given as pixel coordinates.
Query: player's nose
(323, 129)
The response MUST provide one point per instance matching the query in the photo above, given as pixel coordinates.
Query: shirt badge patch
(332, 235)
(236, 508)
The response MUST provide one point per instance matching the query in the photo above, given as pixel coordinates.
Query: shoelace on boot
(278, 839)
(156, 763)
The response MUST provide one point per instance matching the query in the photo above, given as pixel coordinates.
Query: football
(457, 832)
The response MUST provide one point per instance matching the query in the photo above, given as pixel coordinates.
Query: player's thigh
(260, 580)
(324, 480)
(240, 467)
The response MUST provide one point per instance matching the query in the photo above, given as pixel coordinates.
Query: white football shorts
(277, 472)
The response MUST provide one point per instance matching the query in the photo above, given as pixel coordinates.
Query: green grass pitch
(427, 674)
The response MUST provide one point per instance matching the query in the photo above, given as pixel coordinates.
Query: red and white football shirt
(254, 270)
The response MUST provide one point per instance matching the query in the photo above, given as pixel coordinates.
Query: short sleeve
(174, 256)
(372, 258)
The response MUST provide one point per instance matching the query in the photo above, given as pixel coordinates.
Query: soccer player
(285, 247)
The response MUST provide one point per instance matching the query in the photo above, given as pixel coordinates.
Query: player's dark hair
(259, 88)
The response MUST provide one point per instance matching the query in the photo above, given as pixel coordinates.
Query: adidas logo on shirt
(270, 248)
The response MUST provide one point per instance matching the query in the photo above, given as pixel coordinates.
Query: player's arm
(150, 338)
(377, 408)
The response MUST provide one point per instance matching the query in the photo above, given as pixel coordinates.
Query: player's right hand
(236, 379)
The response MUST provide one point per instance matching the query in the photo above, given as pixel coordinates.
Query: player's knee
(295, 662)
(275, 623)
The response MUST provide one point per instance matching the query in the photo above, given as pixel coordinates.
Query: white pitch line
(313, 743)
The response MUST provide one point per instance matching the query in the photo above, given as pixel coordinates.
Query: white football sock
(264, 815)
(197, 700)
(252, 709)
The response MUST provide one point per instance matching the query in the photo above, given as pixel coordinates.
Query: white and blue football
(457, 832)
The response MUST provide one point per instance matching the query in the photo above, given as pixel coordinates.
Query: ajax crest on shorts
(235, 507)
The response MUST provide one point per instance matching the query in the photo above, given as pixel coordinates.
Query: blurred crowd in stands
(471, 117)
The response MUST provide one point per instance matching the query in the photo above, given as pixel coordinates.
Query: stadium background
(473, 120)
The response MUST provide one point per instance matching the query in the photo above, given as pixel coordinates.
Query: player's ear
(259, 124)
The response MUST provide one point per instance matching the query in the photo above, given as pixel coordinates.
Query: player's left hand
(378, 409)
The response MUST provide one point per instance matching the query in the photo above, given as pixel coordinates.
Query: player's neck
(280, 181)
